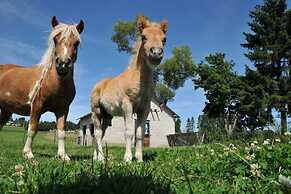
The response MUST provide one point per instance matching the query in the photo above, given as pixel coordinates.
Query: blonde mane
(47, 59)
(135, 51)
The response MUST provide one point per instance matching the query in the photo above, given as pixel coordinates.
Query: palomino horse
(131, 92)
(49, 86)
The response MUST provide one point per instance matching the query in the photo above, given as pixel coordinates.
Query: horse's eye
(143, 38)
(164, 40)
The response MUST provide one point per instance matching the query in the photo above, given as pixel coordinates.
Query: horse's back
(16, 83)
(6, 67)
(98, 89)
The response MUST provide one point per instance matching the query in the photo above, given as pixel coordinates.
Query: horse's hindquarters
(15, 85)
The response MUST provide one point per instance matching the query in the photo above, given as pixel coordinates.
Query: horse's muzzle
(63, 69)
(156, 60)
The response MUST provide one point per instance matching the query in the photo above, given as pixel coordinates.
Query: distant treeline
(44, 125)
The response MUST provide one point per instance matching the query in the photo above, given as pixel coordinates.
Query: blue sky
(206, 26)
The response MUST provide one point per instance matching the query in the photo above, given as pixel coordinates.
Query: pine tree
(269, 48)
(188, 125)
(178, 126)
(254, 89)
(192, 124)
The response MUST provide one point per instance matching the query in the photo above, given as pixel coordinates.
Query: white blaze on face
(65, 51)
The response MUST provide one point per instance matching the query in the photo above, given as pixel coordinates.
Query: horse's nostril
(157, 51)
(68, 61)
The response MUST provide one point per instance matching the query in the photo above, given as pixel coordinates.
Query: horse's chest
(61, 96)
(144, 97)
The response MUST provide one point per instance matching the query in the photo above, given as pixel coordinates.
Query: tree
(220, 83)
(211, 128)
(269, 48)
(172, 74)
(20, 122)
(46, 126)
(124, 34)
(51, 125)
(71, 126)
(192, 124)
(188, 125)
(254, 89)
(178, 125)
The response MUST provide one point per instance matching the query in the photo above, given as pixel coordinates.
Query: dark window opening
(92, 129)
(147, 129)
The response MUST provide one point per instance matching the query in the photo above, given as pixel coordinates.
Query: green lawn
(213, 168)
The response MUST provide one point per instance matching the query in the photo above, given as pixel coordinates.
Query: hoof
(138, 157)
(28, 155)
(64, 157)
(139, 160)
(127, 158)
(98, 158)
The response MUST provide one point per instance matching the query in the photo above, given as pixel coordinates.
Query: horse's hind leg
(99, 132)
(4, 117)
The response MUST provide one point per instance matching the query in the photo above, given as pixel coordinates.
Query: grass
(228, 167)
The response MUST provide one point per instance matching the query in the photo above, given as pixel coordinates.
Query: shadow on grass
(109, 184)
(149, 156)
(72, 157)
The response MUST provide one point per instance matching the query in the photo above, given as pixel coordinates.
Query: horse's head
(66, 40)
(153, 37)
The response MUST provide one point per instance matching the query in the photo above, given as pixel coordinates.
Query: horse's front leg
(139, 135)
(61, 125)
(31, 132)
(129, 131)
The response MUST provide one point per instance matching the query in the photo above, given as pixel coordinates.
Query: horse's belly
(16, 107)
(14, 100)
(112, 108)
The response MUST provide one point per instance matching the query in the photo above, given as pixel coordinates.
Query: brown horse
(131, 92)
(49, 86)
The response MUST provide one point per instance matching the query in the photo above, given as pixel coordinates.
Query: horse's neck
(140, 65)
(54, 78)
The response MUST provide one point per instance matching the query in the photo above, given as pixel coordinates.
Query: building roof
(163, 107)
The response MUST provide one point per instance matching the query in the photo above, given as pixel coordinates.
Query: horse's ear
(141, 23)
(80, 26)
(54, 21)
(164, 26)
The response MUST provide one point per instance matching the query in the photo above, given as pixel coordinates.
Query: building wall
(161, 125)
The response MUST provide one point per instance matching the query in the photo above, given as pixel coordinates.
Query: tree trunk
(229, 127)
(283, 121)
